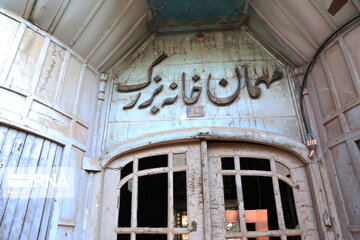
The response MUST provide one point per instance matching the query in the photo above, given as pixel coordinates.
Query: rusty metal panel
(23, 69)
(50, 73)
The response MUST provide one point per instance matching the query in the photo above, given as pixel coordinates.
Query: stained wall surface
(334, 90)
(215, 53)
(49, 93)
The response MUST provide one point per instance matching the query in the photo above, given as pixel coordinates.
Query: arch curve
(207, 133)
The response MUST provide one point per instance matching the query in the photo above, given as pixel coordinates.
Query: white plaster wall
(217, 53)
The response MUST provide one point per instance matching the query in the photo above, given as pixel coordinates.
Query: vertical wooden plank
(20, 159)
(240, 196)
(24, 200)
(276, 189)
(44, 226)
(110, 203)
(3, 133)
(134, 195)
(53, 222)
(76, 104)
(7, 149)
(71, 80)
(11, 55)
(34, 208)
(217, 205)
(205, 176)
(62, 74)
(170, 221)
(13, 156)
(195, 202)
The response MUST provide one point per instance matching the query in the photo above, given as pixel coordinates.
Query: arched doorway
(207, 190)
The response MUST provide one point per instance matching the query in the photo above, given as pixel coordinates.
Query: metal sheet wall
(334, 89)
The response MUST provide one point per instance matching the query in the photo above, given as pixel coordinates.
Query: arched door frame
(327, 221)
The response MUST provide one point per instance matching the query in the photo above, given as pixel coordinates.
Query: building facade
(169, 126)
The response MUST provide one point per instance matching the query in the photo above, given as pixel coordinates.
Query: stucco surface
(218, 53)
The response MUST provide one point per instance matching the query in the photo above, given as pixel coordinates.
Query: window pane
(153, 162)
(179, 159)
(181, 237)
(179, 191)
(294, 238)
(271, 238)
(152, 200)
(231, 204)
(255, 164)
(259, 196)
(123, 237)
(288, 205)
(282, 170)
(125, 206)
(151, 237)
(126, 170)
(227, 163)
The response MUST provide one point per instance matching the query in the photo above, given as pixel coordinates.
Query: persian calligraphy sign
(254, 90)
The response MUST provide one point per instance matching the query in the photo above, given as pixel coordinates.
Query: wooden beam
(28, 9)
(58, 16)
(110, 30)
(122, 42)
(295, 50)
(324, 14)
(297, 24)
(86, 23)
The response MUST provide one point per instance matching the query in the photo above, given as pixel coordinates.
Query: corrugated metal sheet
(25, 217)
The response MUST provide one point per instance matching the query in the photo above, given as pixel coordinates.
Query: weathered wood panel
(88, 96)
(50, 73)
(22, 71)
(334, 90)
(8, 29)
(69, 85)
(21, 216)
